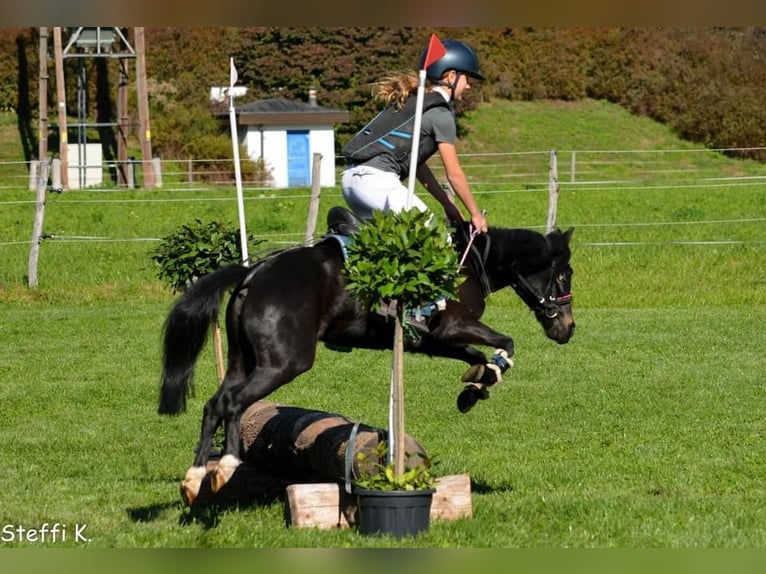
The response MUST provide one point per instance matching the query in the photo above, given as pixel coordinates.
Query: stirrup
(342, 221)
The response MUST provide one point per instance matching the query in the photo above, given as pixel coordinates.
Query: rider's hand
(479, 222)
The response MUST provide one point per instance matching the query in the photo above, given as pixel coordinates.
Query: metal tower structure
(91, 43)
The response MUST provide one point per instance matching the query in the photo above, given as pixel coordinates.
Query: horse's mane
(526, 247)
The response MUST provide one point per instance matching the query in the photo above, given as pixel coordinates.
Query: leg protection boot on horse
(479, 377)
(490, 373)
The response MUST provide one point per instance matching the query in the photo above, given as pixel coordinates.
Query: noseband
(546, 303)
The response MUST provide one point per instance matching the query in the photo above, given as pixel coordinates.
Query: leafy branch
(405, 256)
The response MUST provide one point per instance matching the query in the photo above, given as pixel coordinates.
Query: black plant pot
(395, 512)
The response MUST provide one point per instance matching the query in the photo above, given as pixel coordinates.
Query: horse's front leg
(456, 339)
(479, 377)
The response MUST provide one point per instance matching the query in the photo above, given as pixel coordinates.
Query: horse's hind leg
(192, 482)
(212, 416)
(260, 383)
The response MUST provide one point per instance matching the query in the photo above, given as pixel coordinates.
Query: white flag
(233, 74)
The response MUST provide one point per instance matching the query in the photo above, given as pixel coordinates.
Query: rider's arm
(428, 180)
(459, 182)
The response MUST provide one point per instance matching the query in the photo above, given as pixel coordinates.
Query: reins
(471, 237)
(479, 260)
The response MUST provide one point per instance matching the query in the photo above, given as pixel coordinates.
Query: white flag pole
(395, 398)
(416, 138)
(237, 169)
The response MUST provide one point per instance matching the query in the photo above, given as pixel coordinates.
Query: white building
(286, 135)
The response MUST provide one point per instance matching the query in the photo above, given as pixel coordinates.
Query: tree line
(705, 83)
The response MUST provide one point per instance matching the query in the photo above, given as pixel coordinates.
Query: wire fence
(489, 174)
(506, 171)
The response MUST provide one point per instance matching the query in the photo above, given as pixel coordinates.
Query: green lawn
(645, 431)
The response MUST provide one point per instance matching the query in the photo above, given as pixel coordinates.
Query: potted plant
(391, 503)
(400, 260)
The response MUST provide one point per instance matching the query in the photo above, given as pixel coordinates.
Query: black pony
(285, 304)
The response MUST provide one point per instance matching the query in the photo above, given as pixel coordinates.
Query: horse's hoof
(192, 483)
(471, 394)
(467, 399)
(223, 472)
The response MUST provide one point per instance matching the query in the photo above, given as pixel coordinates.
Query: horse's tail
(185, 333)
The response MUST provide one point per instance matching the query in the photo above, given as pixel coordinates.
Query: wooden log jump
(307, 456)
(309, 445)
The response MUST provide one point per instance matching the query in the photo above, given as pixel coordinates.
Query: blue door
(298, 165)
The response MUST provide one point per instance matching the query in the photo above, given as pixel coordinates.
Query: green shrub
(196, 249)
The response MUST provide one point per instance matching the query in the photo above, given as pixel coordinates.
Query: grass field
(645, 431)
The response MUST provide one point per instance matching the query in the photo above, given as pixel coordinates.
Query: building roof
(281, 111)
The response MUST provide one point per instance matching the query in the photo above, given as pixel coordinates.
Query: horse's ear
(568, 234)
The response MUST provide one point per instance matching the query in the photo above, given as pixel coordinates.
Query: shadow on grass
(479, 486)
(151, 512)
(244, 489)
(207, 510)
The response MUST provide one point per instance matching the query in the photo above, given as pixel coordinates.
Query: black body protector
(390, 132)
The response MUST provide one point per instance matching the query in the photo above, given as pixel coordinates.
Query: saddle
(341, 221)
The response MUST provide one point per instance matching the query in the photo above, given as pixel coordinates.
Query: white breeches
(367, 189)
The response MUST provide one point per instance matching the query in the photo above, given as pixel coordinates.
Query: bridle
(546, 303)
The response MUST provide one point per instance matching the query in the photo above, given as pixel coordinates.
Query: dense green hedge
(706, 83)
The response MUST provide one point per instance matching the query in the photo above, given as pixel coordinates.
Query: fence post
(157, 168)
(553, 191)
(311, 223)
(56, 176)
(130, 176)
(37, 225)
(34, 167)
(572, 166)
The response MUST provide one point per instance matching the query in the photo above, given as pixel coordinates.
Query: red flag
(435, 51)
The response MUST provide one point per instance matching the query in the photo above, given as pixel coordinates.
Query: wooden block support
(327, 505)
(319, 505)
(452, 499)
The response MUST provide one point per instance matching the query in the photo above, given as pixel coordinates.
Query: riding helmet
(459, 56)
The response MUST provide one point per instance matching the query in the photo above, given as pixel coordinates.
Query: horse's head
(537, 267)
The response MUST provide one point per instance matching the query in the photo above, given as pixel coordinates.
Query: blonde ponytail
(396, 89)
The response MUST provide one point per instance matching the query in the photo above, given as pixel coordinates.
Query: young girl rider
(373, 178)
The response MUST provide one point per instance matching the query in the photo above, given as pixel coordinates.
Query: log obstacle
(306, 456)
(308, 445)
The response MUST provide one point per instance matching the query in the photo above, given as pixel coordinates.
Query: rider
(375, 183)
